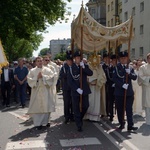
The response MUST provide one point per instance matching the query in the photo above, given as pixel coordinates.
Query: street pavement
(18, 133)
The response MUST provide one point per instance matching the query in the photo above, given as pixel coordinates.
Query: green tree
(44, 51)
(61, 56)
(21, 19)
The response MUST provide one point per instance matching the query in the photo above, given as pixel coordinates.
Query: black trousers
(128, 109)
(111, 101)
(6, 91)
(78, 116)
(68, 110)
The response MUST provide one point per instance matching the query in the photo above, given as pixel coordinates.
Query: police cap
(69, 55)
(123, 54)
(113, 56)
(77, 54)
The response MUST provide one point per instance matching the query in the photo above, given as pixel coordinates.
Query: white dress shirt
(6, 75)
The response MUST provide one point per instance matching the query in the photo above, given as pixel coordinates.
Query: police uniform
(68, 111)
(111, 88)
(119, 78)
(74, 82)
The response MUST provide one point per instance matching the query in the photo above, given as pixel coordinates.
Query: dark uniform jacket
(119, 78)
(63, 77)
(74, 79)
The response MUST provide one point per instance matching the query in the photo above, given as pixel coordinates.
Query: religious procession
(94, 85)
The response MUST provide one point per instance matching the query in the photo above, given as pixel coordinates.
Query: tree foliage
(61, 56)
(21, 19)
(44, 51)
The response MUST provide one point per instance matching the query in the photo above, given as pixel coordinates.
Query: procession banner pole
(81, 67)
(129, 45)
(81, 50)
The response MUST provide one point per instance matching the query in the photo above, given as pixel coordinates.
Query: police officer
(68, 112)
(74, 82)
(119, 78)
(105, 66)
(111, 86)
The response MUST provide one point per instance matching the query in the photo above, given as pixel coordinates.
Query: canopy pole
(125, 92)
(81, 67)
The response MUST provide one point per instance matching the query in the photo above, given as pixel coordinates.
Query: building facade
(58, 46)
(140, 10)
(97, 9)
(113, 12)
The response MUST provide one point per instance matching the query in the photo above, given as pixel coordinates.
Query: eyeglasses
(46, 60)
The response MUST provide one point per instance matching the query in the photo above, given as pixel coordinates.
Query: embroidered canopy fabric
(96, 36)
(3, 59)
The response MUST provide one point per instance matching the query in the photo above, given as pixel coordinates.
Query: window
(93, 13)
(141, 52)
(133, 11)
(134, 31)
(133, 53)
(142, 6)
(108, 8)
(125, 16)
(108, 23)
(112, 5)
(141, 29)
(112, 22)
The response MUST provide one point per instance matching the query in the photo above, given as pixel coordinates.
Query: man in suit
(68, 112)
(74, 76)
(7, 83)
(105, 66)
(121, 84)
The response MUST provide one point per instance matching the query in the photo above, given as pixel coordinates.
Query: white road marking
(23, 117)
(125, 142)
(20, 145)
(118, 145)
(79, 142)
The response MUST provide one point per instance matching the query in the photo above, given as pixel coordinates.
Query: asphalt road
(18, 133)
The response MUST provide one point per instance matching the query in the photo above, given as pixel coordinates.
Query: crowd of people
(92, 89)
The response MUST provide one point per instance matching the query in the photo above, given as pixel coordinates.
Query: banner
(96, 36)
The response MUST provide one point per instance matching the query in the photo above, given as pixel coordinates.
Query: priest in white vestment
(47, 63)
(137, 104)
(144, 81)
(41, 79)
(96, 81)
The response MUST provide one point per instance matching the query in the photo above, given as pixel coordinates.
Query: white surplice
(137, 105)
(41, 101)
(144, 81)
(96, 82)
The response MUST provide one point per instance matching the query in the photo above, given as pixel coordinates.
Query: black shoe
(66, 121)
(48, 125)
(121, 127)
(111, 119)
(132, 128)
(23, 105)
(80, 129)
(39, 127)
(7, 105)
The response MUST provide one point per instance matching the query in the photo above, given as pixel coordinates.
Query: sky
(60, 30)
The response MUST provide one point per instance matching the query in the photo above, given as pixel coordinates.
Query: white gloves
(128, 71)
(113, 85)
(125, 86)
(80, 91)
(82, 64)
